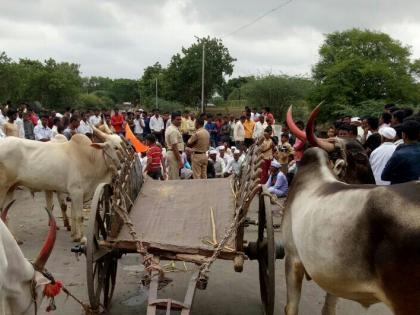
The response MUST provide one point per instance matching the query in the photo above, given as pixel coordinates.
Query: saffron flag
(137, 144)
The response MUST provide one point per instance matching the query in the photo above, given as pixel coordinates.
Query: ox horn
(48, 246)
(99, 133)
(292, 126)
(310, 134)
(107, 129)
(6, 210)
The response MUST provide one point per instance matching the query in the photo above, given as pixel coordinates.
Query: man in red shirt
(154, 158)
(269, 118)
(117, 121)
(32, 116)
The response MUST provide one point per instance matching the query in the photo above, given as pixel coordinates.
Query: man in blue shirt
(277, 182)
(212, 129)
(404, 164)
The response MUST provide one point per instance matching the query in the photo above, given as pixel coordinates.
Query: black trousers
(248, 142)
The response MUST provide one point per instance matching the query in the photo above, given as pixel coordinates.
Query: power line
(259, 18)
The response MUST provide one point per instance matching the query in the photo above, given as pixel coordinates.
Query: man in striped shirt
(154, 158)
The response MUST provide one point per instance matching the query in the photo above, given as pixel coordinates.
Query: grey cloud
(121, 38)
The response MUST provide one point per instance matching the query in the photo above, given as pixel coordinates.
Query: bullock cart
(195, 221)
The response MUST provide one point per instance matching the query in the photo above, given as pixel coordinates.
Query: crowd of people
(189, 146)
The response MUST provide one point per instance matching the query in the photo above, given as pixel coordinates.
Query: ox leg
(329, 304)
(76, 215)
(294, 277)
(49, 201)
(63, 205)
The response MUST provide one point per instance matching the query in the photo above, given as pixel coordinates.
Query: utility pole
(156, 86)
(202, 78)
(202, 71)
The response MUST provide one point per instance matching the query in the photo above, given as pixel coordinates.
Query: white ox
(75, 168)
(18, 275)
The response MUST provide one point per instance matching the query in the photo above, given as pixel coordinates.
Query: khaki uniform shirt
(173, 136)
(201, 140)
(184, 125)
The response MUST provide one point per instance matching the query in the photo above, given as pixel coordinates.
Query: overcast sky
(120, 38)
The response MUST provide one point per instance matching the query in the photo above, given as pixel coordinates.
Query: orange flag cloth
(138, 145)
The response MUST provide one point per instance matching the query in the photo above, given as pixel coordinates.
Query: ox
(75, 168)
(22, 283)
(359, 242)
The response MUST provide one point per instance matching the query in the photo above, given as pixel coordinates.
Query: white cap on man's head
(221, 147)
(213, 152)
(388, 132)
(275, 164)
(236, 151)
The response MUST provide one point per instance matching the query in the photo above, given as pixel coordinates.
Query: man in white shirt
(19, 125)
(138, 125)
(84, 128)
(95, 119)
(218, 163)
(234, 165)
(380, 156)
(223, 155)
(157, 126)
(239, 132)
(42, 132)
(260, 125)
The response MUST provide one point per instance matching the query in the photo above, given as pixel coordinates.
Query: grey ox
(359, 242)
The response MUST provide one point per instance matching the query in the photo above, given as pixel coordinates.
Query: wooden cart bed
(175, 216)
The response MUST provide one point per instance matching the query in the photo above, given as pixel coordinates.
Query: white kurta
(378, 159)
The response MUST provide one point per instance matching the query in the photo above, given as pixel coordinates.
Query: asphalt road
(228, 292)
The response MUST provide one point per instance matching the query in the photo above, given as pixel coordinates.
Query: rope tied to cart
(205, 268)
(149, 263)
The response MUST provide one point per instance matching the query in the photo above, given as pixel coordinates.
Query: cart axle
(254, 250)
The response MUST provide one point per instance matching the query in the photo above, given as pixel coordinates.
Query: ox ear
(339, 166)
(99, 146)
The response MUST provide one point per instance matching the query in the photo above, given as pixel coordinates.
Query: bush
(163, 105)
(92, 100)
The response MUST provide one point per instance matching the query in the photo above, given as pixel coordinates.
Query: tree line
(357, 73)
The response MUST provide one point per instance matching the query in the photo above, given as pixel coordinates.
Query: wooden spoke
(101, 263)
(266, 254)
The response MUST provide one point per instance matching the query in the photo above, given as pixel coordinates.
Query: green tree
(233, 86)
(147, 84)
(55, 85)
(183, 78)
(277, 92)
(92, 84)
(357, 67)
(125, 90)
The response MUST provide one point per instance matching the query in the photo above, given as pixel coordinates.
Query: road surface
(228, 292)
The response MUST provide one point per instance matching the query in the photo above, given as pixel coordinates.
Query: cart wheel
(101, 263)
(266, 254)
